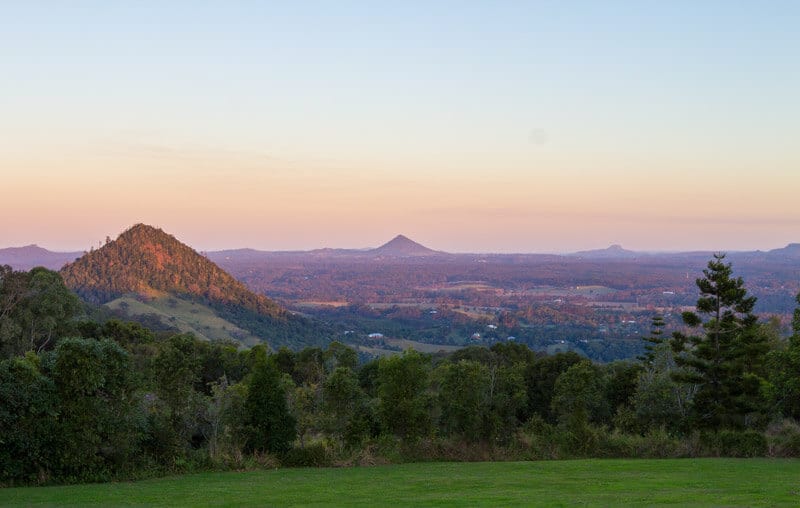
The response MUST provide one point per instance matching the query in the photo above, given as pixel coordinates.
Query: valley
(598, 303)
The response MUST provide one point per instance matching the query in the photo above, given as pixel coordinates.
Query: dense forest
(88, 398)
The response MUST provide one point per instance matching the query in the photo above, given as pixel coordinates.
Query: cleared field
(404, 344)
(186, 316)
(683, 482)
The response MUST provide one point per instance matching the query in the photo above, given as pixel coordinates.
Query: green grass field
(188, 317)
(680, 482)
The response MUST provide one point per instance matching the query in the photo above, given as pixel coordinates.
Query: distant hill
(147, 262)
(612, 252)
(402, 246)
(25, 258)
(789, 253)
(398, 247)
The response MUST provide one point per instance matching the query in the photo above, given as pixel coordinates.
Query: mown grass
(680, 482)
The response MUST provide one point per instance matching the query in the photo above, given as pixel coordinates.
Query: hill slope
(149, 263)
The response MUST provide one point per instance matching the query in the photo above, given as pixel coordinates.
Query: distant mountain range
(25, 258)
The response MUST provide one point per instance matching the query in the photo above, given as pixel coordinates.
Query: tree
(659, 401)
(346, 406)
(726, 360)
(464, 399)
(97, 414)
(36, 308)
(540, 380)
(796, 319)
(270, 426)
(28, 410)
(578, 395)
(578, 399)
(655, 339)
(402, 385)
(785, 372)
(180, 405)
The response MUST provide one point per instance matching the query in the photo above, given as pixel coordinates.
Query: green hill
(148, 267)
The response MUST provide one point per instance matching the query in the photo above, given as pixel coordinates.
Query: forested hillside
(147, 262)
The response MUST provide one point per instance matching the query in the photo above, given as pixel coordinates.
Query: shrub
(783, 439)
(735, 443)
(313, 455)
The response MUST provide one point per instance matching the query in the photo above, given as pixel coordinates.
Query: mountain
(152, 265)
(25, 258)
(789, 253)
(402, 246)
(613, 252)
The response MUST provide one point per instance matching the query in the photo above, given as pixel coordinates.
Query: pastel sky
(495, 126)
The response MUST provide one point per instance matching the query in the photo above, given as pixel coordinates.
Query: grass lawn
(684, 482)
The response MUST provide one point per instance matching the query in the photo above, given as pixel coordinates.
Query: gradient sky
(468, 126)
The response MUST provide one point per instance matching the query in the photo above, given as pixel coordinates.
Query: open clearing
(684, 482)
(186, 316)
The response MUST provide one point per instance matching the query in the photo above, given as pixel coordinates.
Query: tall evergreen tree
(654, 340)
(726, 360)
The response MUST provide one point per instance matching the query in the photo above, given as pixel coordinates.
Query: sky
(493, 126)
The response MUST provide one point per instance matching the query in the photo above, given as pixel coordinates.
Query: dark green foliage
(735, 443)
(726, 361)
(368, 378)
(348, 410)
(28, 410)
(621, 380)
(284, 361)
(655, 339)
(177, 411)
(578, 395)
(97, 424)
(464, 398)
(658, 400)
(270, 427)
(122, 401)
(36, 309)
(796, 318)
(314, 455)
(402, 387)
(339, 355)
(784, 372)
(513, 353)
(309, 366)
(540, 380)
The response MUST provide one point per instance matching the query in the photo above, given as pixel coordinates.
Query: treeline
(87, 401)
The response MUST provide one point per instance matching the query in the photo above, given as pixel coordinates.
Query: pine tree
(726, 361)
(654, 340)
